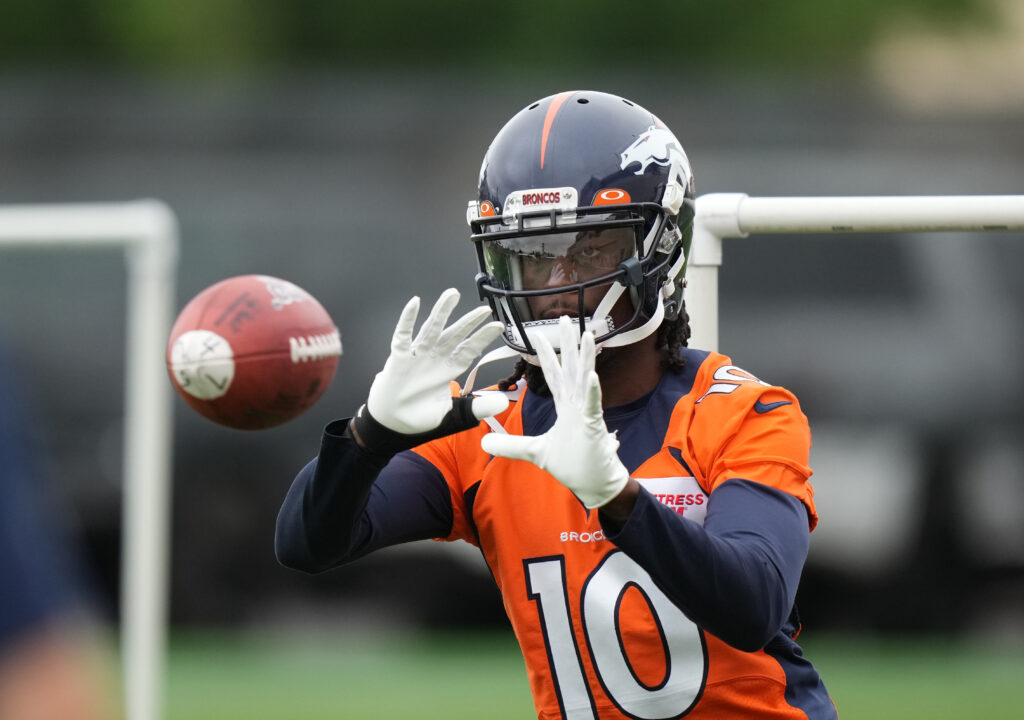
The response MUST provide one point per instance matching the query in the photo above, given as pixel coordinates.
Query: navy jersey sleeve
(737, 575)
(346, 503)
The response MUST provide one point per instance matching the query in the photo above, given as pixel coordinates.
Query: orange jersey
(599, 637)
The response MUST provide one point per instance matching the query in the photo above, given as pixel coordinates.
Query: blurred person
(51, 664)
(644, 507)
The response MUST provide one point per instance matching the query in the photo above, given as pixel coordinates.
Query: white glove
(410, 400)
(578, 450)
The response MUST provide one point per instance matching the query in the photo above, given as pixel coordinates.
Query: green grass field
(233, 677)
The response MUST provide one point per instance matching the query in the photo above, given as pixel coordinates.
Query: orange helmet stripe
(549, 118)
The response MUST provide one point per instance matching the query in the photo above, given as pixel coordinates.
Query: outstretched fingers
(461, 329)
(567, 348)
(592, 412)
(472, 347)
(587, 355)
(401, 341)
(435, 322)
(549, 365)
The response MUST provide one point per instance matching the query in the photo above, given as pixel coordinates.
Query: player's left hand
(578, 450)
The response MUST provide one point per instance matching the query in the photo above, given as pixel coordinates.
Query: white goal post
(736, 215)
(148, 232)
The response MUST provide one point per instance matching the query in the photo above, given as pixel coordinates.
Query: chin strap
(639, 333)
(604, 308)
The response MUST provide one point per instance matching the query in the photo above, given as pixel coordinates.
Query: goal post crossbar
(148, 232)
(737, 215)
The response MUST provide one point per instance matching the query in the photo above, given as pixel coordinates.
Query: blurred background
(336, 145)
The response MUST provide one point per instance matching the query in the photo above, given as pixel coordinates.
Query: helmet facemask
(537, 266)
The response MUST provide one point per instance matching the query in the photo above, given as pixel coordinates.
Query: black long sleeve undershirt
(341, 506)
(736, 576)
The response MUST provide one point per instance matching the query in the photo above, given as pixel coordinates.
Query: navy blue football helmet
(582, 191)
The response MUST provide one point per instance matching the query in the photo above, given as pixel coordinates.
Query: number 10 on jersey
(600, 605)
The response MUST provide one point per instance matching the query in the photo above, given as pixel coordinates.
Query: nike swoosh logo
(761, 408)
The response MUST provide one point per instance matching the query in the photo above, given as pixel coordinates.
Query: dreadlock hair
(673, 336)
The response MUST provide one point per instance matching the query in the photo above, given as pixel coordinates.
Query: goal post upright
(148, 232)
(737, 215)
(152, 266)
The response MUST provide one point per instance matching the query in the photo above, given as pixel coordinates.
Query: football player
(644, 507)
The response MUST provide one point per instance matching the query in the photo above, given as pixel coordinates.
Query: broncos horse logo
(659, 146)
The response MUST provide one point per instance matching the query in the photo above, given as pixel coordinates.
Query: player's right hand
(577, 450)
(411, 400)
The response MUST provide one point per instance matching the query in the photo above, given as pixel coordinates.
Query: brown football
(252, 352)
